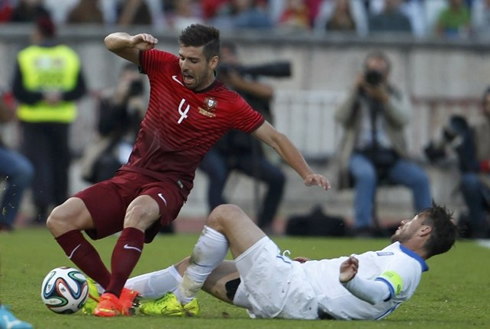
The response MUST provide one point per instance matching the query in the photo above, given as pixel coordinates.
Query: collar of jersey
(211, 86)
(415, 256)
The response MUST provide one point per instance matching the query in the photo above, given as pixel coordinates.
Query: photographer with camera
(239, 151)
(373, 149)
(472, 148)
(120, 112)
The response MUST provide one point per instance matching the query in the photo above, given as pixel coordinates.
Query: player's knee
(56, 218)
(222, 214)
(67, 217)
(140, 216)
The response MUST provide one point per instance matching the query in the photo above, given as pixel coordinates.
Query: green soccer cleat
(93, 298)
(192, 308)
(169, 305)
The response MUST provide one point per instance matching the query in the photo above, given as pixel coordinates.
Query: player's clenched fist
(144, 41)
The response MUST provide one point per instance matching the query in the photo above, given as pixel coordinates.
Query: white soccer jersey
(395, 265)
(273, 286)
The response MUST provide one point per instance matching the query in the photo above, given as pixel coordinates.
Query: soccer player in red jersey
(188, 111)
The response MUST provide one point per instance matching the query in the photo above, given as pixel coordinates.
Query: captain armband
(395, 281)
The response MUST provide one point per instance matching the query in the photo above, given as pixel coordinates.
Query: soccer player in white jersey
(268, 284)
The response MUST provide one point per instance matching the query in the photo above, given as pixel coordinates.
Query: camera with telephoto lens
(457, 128)
(373, 77)
(275, 70)
(136, 88)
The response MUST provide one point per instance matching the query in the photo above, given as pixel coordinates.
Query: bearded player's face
(197, 72)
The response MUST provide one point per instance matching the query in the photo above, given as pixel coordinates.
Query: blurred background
(439, 51)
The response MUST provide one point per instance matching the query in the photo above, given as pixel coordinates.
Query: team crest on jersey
(209, 107)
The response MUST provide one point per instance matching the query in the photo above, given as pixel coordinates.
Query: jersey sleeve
(369, 291)
(153, 61)
(399, 277)
(245, 118)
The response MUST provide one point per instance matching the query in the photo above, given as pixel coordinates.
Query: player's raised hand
(143, 41)
(348, 269)
(317, 179)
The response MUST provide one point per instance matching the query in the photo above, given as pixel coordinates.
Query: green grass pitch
(454, 293)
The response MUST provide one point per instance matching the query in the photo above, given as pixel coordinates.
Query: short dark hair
(444, 230)
(197, 35)
(46, 26)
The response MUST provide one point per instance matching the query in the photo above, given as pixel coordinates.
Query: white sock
(209, 251)
(155, 284)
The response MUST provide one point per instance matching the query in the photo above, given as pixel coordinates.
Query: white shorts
(272, 285)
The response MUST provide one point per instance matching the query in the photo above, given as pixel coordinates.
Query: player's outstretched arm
(286, 149)
(128, 46)
(369, 291)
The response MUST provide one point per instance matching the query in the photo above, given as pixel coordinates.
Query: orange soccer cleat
(108, 306)
(128, 300)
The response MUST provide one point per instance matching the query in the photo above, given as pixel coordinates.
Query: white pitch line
(484, 243)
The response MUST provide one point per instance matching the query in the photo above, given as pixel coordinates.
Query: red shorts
(107, 202)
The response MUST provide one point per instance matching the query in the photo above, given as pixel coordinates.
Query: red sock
(84, 255)
(125, 256)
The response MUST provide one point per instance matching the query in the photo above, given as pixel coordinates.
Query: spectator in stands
(15, 170)
(391, 19)
(454, 20)
(373, 147)
(415, 11)
(6, 9)
(313, 9)
(185, 13)
(373, 6)
(46, 95)
(133, 12)
(472, 148)
(239, 151)
(277, 7)
(29, 11)
(295, 16)
(475, 180)
(242, 14)
(480, 17)
(86, 12)
(342, 18)
(337, 16)
(210, 8)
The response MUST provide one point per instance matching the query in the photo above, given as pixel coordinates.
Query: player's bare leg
(236, 226)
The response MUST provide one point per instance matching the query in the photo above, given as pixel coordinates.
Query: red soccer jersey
(181, 125)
